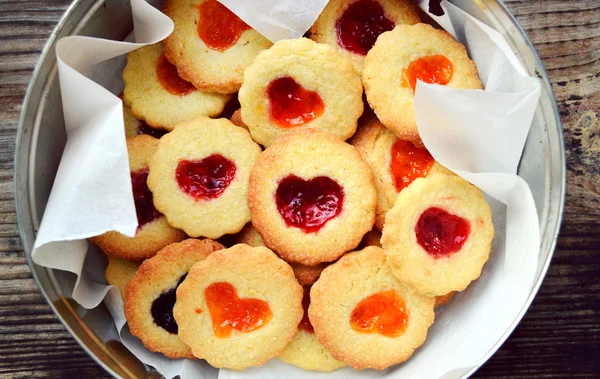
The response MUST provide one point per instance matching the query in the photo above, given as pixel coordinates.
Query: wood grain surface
(559, 337)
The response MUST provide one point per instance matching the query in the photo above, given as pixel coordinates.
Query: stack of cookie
(311, 226)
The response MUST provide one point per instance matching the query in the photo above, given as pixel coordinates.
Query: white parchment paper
(477, 134)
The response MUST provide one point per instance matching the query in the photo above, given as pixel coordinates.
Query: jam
(142, 198)
(228, 312)
(170, 79)
(219, 28)
(434, 69)
(384, 313)
(305, 322)
(205, 179)
(162, 309)
(147, 129)
(308, 204)
(360, 25)
(441, 233)
(408, 163)
(291, 104)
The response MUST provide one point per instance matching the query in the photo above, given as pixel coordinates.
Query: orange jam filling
(434, 69)
(228, 312)
(384, 313)
(170, 79)
(291, 104)
(219, 28)
(408, 163)
(305, 322)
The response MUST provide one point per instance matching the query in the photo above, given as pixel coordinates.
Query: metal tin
(41, 139)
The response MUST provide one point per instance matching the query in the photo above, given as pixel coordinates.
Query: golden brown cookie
(364, 315)
(239, 308)
(442, 300)
(403, 56)
(199, 177)
(372, 238)
(299, 84)
(153, 232)
(210, 45)
(312, 197)
(150, 295)
(438, 235)
(119, 272)
(236, 119)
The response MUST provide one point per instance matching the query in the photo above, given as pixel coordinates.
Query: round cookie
(157, 95)
(199, 177)
(150, 296)
(402, 56)
(119, 272)
(233, 314)
(132, 124)
(364, 315)
(352, 26)
(210, 45)
(299, 84)
(236, 118)
(438, 235)
(153, 232)
(394, 163)
(442, 300)
(312, 197)
(372, 238)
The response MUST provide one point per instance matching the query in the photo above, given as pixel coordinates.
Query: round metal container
(41, 139)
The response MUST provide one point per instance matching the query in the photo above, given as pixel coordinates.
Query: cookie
(199, 177)
(236, 119)
(210, 45)
(364, 315)
(132, 124)
(119, 272)
(312, 197)
(150, 296)
(352, 26)
(438, 235)
(305, 350)
(372, 238)
(239, 307)
(394, 163)
(401, 57)
(153, 232)
(442, 300)
(299, 84)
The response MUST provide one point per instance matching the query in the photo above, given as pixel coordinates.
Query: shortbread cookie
(442, 300)
(210, 45)
(150, 295)
(305, 350)
(199, 177)
(135, 127)
(403, 56)
(153, 231)
(312, 197)
(438, 235)
(395, 163)
(300, 84)
(239, 307)
(352, 26)
(364, 315)
(372, 238)
(157, 95)
(236, 119)
(119, 272)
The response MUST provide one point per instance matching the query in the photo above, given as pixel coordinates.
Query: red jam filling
(434, 69)
(441, 233)
(219, 28)
(291, 104)
(205, 179)
(170, 79)
(408, 163)
(305, 322)
(309, 204)
(228, 312)
(384, 313)
(142, 198)
(147, 129)
(360, 25)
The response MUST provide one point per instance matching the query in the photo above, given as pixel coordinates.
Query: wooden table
(558, 337)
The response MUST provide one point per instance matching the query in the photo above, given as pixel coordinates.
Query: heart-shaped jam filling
(170, 79)
(219, 28)
(142, 198)
(441, 233)
(434, 69)
(305, 322)
(147, 129)
(308, 204)
(384, 313)
(360, 25)
(291, 104)
(162, 309)
(228, 312)
(205, 179)
(408, 163)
